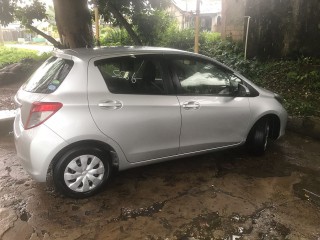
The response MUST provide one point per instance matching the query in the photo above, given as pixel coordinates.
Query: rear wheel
(258, 137)
(81, 172)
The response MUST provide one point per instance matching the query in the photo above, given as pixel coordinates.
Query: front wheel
(258, 137)
(81, 172)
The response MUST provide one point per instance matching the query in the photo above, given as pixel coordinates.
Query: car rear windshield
(49, 76)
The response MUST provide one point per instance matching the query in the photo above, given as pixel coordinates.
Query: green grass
(14, 55)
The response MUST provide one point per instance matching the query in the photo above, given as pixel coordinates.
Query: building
(210, 14)
(233, 19)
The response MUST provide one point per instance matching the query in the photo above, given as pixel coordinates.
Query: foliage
(30, 12)
(26, 13)
(130, 13)
(14, 55)
(298, 81)
(129, 8)
(7, 11)
(180, 39)
(135, 16)
(151, 27)
(115, 37)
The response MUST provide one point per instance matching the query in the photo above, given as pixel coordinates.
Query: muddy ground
(222, 195)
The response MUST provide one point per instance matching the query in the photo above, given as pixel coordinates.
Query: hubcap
(84, 173)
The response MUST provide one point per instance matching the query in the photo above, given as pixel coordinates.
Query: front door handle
(192, 105)
(111, 104)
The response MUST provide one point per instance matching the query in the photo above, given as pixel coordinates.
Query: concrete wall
(232, 19)
(284, 28)
(278, 28)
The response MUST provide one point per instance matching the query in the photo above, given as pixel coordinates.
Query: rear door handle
(111, 104)
(191, 105)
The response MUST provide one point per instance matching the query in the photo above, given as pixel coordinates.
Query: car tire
(81, 172)
(258, 137)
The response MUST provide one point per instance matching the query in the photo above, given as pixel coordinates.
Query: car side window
(200, 77)
(132, 75)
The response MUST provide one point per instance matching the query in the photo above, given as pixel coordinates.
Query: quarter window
(49, 76)
(132, 75)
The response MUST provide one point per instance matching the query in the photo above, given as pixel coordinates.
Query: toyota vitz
(88, 112)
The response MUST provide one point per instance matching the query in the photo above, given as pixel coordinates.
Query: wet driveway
(225, 195)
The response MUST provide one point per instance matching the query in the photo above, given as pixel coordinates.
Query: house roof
(206, 6)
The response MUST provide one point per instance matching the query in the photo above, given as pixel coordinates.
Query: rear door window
(133, 75)
(49, 76)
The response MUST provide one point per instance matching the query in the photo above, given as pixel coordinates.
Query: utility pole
(96, 17)
(196, 32)
(1, 37)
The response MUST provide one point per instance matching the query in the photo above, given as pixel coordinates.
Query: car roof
(88, 53)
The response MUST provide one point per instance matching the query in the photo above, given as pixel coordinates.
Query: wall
(177, 14)
(232, 19)
(284, 28)
(278, 28)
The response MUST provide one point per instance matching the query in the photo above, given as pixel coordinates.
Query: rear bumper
(36, 148)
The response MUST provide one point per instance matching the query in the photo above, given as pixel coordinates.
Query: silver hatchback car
(88, 112)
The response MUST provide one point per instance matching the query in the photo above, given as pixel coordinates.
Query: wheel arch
(274, 125)
(94, 143)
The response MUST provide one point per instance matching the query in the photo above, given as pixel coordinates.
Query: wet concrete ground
(223, 195)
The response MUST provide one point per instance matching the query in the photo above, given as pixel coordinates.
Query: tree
(74, 23)
(152, 28)
(26, 14)
(34, 11)
(126, 13)
(73, 18)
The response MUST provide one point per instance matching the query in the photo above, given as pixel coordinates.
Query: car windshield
(49, 76)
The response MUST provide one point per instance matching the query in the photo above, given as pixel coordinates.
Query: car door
(130, 102)
(212, 116)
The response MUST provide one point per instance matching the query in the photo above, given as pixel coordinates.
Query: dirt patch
(11, 78)
(7, 97)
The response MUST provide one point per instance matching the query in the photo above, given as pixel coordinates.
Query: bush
(180, 39)
(14, 55)
(153, 28)
(115, 37)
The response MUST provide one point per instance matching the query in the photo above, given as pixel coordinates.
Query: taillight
(41, 112)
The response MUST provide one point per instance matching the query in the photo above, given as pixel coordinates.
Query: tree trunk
(74, 23)
(49, 38)
(125, 24)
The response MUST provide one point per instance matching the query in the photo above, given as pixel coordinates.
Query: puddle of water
(308, 189)
(127, 213)
(200, 227)
(24, 216)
